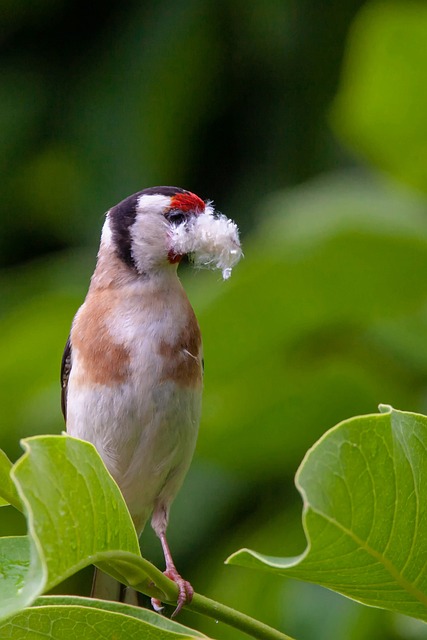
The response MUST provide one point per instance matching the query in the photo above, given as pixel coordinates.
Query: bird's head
(154, 228)
(139, 228)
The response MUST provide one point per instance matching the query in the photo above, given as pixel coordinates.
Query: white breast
(145, 424)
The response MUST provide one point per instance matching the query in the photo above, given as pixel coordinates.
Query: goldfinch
(132, 370)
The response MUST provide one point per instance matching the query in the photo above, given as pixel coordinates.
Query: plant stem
(217, 611)
(160, 586)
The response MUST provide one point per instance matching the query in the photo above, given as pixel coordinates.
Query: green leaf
(381, 105)
(21, 578)
(365, 513)
(76, 516)
(92, 623)
(8, 493)
(69, 498)
(118, 607)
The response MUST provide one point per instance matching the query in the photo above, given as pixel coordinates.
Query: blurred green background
(306, 122)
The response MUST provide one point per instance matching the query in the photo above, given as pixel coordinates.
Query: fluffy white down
(211, 239)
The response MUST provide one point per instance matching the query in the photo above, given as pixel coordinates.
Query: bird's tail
(106, 587)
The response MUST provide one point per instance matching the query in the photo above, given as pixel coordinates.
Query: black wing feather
(65, 374)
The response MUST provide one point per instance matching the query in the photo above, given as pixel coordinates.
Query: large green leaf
(365, 513)
(76, 516)
(76, 622)
(137, 612)
(89, 618)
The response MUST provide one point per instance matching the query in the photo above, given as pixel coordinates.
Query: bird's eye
(176, 216)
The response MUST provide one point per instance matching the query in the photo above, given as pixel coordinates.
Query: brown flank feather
(182, 362)
(104, 361)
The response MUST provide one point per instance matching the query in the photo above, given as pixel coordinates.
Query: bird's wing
(65, 374)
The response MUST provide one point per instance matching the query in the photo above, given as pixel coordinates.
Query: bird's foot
(186, 591)
(185, 594)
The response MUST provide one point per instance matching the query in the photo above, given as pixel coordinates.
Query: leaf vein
(387, 564)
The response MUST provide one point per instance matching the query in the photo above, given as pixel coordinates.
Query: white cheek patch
(211, 239)
(106, 235)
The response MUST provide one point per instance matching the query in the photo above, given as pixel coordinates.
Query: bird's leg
(186, 591)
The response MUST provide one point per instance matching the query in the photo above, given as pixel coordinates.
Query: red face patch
(187, 202)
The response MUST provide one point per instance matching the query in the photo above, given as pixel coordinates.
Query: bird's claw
(157, 605)
(185, 593)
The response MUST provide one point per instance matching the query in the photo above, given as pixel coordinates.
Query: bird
(132, 369)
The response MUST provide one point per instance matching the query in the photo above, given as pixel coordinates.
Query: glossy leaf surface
(365, 513)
